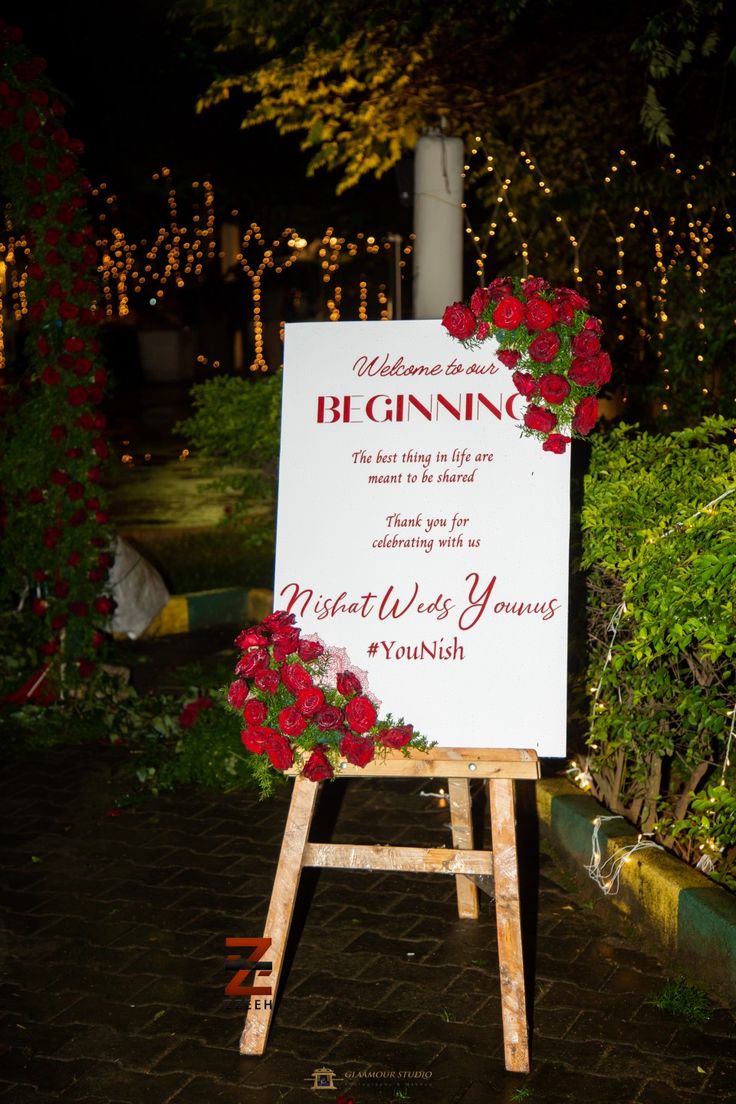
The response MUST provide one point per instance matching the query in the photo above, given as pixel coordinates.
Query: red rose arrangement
(295, 715)
(54, 527)
(552, 345)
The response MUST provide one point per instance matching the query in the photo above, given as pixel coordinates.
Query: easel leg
(281, 908)
(462, 837)
(508, 925)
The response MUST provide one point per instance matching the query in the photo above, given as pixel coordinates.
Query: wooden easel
(458, 765)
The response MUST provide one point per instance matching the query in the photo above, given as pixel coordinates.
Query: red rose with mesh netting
(348, 684)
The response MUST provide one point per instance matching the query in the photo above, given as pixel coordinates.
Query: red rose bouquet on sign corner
(304, 707)
(550, 342)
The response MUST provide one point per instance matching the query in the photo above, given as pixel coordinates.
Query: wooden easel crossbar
(459, 765)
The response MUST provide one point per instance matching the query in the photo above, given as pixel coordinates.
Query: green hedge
(661, 559)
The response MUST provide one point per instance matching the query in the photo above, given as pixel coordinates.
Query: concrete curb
(692, 918)
(208, 608)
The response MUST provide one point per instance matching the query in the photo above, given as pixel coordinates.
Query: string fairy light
(607, 875)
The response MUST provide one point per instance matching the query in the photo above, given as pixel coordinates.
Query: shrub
(661, 560)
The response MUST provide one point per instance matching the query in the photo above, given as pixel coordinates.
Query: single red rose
(295, 677)
(483, 331)
(52, 235)
(87, 667)
(509, 357)
(268, 680)
(250, 638)
(75, 238)
(93, 475)
(51, 375)
(594, 325)
(563, 312)
(358, 750)
(67, 165)
(603, 369)
(52, 536)
(508, 313)
(58, 432)
(479, 300)
(553, 388)
(74, 344)
(556, 442)
(500, 288)
(309, 701)
(544, 347)
(104, 604)
(85, 421)
(35, 495)
(586, 415)
(569, 295)
(291, 722)
(73, 453)
(39, 607)
(77, 518)
(40, 575)
(79, 609)
(237, 694)
(584, 371)
(459, 321)
(97, 638)
(39, 97)
(61, 588)
(75, 396)
(317, 767)
(585, 343)
(99, 447)
(75, 557)
(279, 750)
(100, 419)
(539, 314)
(50, 647)
(65, 214)
(348, 684)
(309, 649)
(396, 737)
(54, 290)
(329, 718)
(255, 712)
(251, 662)
(360, 713)
(276, 620)
(536, 417)
(525, 384)
(192, 710)
(54, 258)
(285, 643)
(59, 622)
(68, 311)
(533, 284)
(254, 739)
(104, 559)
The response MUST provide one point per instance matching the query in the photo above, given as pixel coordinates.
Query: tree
(362, 82)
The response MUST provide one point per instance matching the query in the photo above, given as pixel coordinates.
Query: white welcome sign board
(420, 531)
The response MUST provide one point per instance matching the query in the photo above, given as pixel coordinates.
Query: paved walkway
(112, 951)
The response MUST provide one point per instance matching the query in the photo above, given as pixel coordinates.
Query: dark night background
(131, 76)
